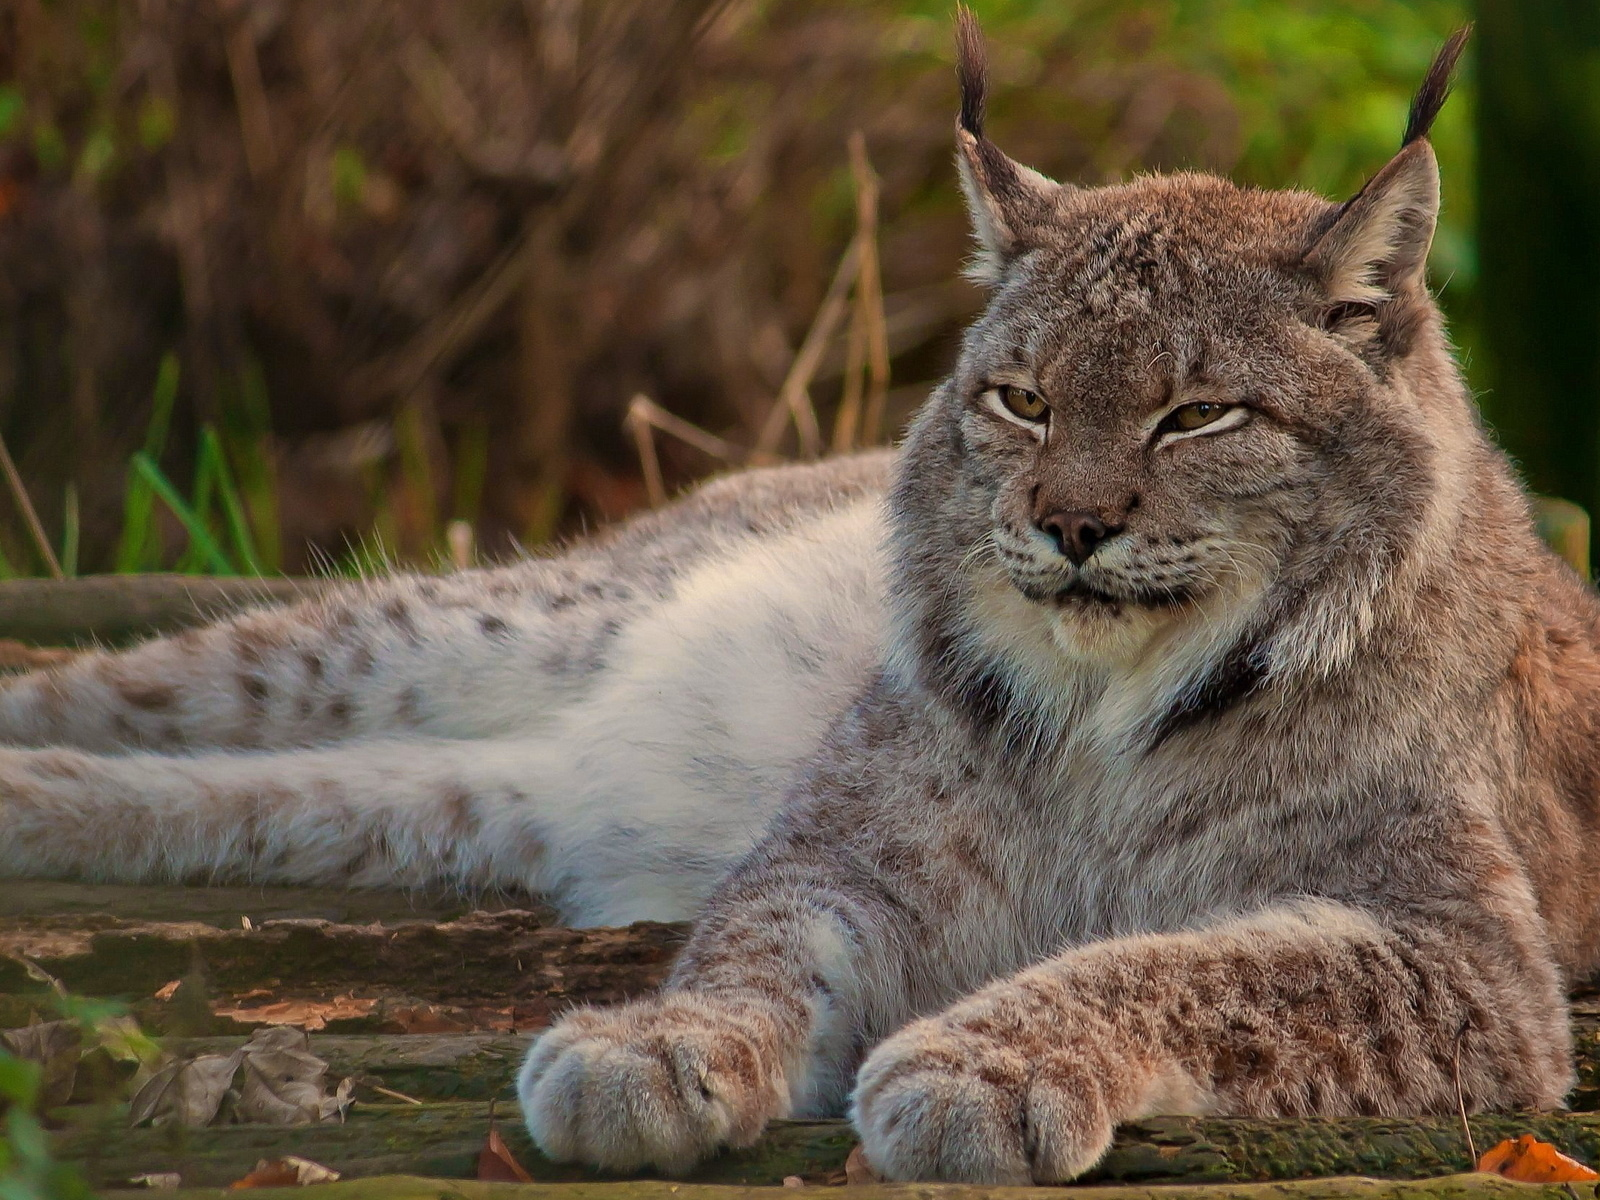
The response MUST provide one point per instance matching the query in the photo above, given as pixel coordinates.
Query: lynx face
(1185, 404)
(1137, 396)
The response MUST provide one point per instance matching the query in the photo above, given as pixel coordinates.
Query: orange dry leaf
(288, 1171)
(496, 1163)
(307, 1014)
(1528, 1160)
(857, 1170)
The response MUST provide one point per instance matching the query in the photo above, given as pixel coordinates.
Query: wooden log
(406, 1187)
(60, 903)
(442, 1140)
(483, 956)
(481, 1066)
(116, 609)
(443, 1066)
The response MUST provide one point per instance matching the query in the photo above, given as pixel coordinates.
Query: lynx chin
(1185, 719)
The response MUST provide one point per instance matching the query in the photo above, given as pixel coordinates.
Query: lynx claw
(660, 1084)
(937, 1102)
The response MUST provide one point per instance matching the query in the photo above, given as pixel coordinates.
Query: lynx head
(1189, 408)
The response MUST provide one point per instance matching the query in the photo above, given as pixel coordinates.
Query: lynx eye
(1022, 403)
(1194, 416)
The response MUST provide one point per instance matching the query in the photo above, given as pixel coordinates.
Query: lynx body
(1193, 722)
(612, 728)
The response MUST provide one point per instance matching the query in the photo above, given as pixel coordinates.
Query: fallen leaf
(161, 1181)
(496, 1163)
(168, 990)
(425, 1018)
(39, 975)
(187, 1092)
(1528, 1160)
(283, 1083)
(857, 1169)
(122, 1038)
(793, 1181)
(55, 1046)
(307, 1014)
(288, 1171)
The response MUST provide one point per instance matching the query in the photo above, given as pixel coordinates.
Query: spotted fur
(500, 728)
(1274, 803)
(1276, 799)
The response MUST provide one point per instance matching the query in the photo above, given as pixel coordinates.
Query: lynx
(1186, 719)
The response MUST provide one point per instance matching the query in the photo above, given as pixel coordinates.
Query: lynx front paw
(938, 1101)
(662, 1083)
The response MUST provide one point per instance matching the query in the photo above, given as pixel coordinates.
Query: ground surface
(421, 999)
(427, 1004)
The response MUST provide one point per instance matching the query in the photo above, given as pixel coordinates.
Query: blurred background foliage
(286, 284)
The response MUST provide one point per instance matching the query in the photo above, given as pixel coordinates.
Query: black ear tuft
(972, 69)
(1435, 87)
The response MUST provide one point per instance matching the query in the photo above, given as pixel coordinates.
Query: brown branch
(19, 493)
(250, 96)
(644, 438)
(794, 397)
(869, 289)
(707, 443)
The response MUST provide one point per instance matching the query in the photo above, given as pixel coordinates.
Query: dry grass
(448, 244)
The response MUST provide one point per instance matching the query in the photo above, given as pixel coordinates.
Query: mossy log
(481, 1066)
(408, 1187)
(115, 609)
(447, 1066)
(443, 1140)
(507, 958)
(63, 904)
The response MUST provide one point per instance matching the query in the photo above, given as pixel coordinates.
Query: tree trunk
(1539, 236)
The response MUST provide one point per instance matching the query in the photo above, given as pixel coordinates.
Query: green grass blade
(138, 513)
(471, 471)
(193, 560)
(163, 398)
(232, 505)
(138, 549)
(247, 424)
(416, 477)
(198, 533)
(69, 533)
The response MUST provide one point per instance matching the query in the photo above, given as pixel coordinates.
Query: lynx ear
(1377, 246)
(1006, 199)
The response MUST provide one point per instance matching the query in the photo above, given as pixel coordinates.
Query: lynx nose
(1077, 534)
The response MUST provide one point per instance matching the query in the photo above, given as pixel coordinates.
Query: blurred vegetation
(1539, 132)
(287, 284)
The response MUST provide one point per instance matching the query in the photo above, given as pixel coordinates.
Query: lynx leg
(374, 813)
(1314, 1009)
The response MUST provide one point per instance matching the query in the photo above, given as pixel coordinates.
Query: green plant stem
(232, 506)
(198, 533)
(70, 532)
(133, 549)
